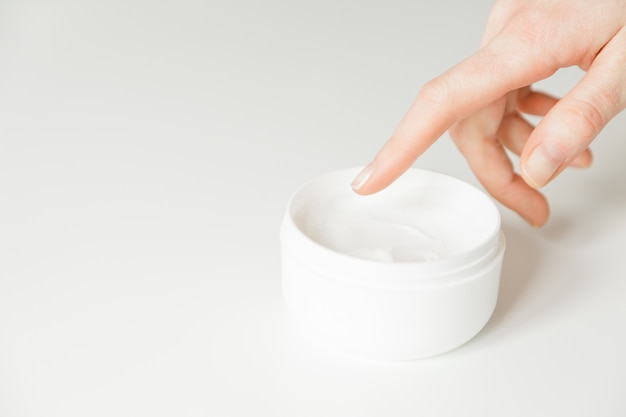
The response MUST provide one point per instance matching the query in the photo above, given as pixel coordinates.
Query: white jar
(410, 272)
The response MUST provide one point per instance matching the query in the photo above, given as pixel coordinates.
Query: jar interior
(423, 217)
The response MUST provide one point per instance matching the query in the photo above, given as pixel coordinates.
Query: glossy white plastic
(407, 273)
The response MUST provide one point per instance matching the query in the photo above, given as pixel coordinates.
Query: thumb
(575, 121)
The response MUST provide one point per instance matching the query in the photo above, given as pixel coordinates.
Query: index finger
(504, 64)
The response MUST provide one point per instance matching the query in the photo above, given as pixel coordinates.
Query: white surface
(147, 151)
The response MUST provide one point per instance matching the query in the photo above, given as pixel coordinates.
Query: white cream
(405, 223)
(392, 232)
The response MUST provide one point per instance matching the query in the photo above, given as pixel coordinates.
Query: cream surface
(418, 224)
(422, 217)
(371, 237)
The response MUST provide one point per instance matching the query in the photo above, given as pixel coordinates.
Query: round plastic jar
(410, 272)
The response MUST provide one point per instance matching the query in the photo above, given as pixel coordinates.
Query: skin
(482, 100)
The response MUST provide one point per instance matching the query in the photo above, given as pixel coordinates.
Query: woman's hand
(482, 100)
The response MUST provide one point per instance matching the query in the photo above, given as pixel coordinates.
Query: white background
(147, 152)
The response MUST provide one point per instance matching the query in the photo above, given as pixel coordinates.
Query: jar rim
(481, 251)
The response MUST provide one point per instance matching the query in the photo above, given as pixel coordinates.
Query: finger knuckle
(587, 116)
(436, 91)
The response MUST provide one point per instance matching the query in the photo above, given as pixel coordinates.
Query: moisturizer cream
(409, 272)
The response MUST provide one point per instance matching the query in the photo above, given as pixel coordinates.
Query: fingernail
(360, 180)
(542, 164)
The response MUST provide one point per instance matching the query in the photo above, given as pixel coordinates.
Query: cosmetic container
(410, 272)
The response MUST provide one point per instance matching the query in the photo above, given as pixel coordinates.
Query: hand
(481, 101)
